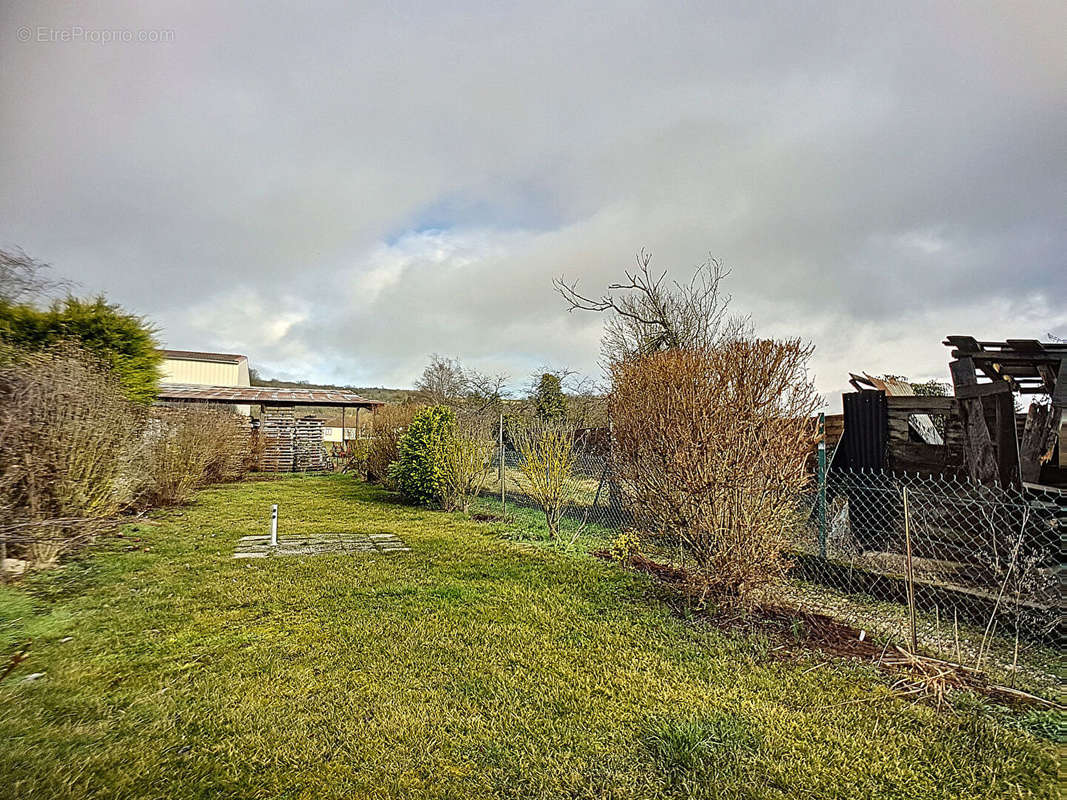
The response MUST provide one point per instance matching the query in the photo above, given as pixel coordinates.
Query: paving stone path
(259, 546)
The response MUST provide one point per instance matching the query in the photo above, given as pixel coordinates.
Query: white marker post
(274, 525)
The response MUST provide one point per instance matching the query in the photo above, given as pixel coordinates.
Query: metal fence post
(503, 496)
(909, 573)
(274, 525)
(822, 486)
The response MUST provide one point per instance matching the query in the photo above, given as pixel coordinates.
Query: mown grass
(1028, 665)
(472, 666)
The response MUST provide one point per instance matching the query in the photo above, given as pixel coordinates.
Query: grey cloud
(876, 177)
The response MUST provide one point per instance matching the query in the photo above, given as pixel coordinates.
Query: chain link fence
(589, 496)
(933, 564)
(942, 566)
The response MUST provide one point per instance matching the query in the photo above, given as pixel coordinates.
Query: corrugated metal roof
(262, 395)
(922, 424)
(890, 386)
(193, 355)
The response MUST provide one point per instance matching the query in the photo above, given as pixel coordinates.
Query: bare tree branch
(484, 391)
(445, 381)
(649, 315)
(23, 278)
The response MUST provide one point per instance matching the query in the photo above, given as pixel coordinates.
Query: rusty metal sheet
(262, 395)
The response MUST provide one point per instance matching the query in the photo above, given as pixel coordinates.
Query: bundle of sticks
(925, 676)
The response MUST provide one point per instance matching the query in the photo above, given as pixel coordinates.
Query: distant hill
(370, 392)
(594, 410)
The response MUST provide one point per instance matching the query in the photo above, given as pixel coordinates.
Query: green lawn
(472, 666)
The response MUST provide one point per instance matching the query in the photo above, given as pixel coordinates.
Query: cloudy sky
(339, 190)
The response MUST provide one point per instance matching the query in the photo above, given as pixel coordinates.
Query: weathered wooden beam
(1025, 345)
(1048, 376)
(1005, 437)
(982, 389)
(978, 445)
(1039, 437)
(921, 405)
(966, 343)
(1059, 391)
(972, 345)
(1008, 357)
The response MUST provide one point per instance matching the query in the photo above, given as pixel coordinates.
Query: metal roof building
(263, 396)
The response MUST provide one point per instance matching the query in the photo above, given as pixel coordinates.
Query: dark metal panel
(863, 445)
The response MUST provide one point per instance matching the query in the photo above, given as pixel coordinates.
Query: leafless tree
(445, 381)
(484, 393)
(24, 278)
(649, 314)
(442, 381)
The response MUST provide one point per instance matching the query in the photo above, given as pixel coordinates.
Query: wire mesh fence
(587, 494)
(940, 565)
(935, 564)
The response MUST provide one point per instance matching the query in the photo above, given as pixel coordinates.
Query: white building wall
(203, 373)
(207, 373)
(334, 434)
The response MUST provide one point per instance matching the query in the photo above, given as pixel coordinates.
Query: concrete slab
(316, 544)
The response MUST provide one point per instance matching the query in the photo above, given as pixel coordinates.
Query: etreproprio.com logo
(79, 34)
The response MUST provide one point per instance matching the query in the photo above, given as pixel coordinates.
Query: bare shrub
(390, 422)
(74, 451)
(183, 449)
(547, 460)
(466, 462)
(257, 445)
(66, 437)
(709, 450)
(231, 455)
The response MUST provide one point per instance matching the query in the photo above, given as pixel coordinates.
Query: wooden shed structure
(976, 433)
(986, 375)
(289, 443)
